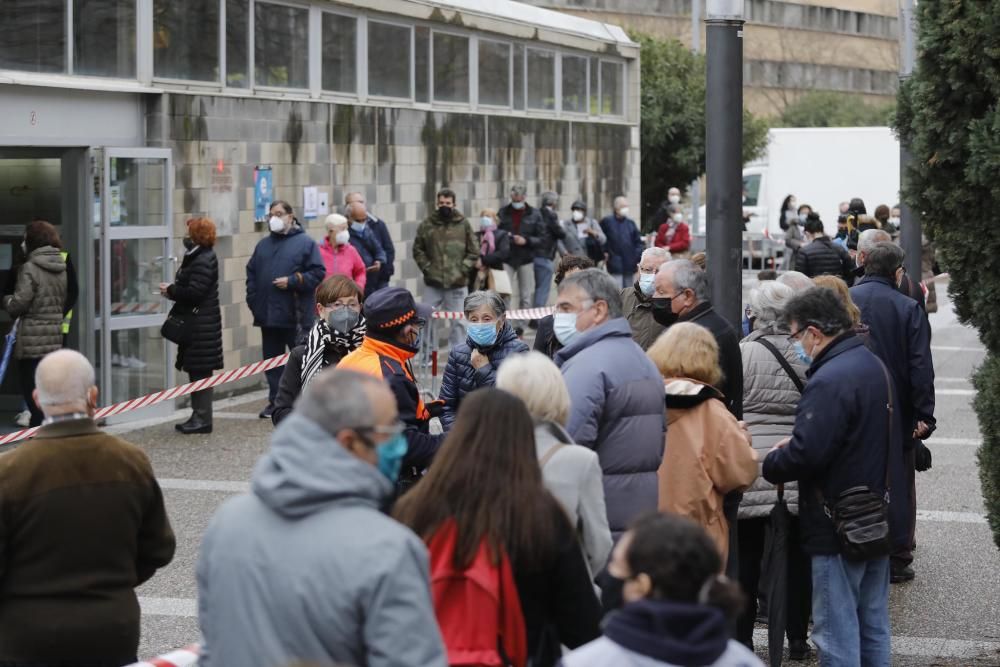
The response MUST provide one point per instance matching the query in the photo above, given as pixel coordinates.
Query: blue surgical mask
(517, 205)
(564, 327)
(359, 227)
(800, 350)
(483, 334)
(390, 456)
(646, 281)
(485, 222)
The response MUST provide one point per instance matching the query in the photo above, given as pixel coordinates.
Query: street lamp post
(724, 155)
(909, 220)
(696, 221)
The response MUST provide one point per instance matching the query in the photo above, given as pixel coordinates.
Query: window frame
(470, 78)
(339, 94)
(510, 75)
(622, 88)
(586, 84)
(411, 27)
(556, 83)
(311, 64)
(195, 84)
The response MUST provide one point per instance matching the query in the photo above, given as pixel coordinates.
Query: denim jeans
(543, 281)
(452, 300)
(524, 276)
(851, 611)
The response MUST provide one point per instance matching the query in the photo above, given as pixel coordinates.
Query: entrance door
(134, 209)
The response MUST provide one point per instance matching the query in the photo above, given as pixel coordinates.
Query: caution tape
(526, 314)
(182, 657)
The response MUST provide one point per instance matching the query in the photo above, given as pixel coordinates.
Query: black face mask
(445, 212)
(189, 243)
(662, 311)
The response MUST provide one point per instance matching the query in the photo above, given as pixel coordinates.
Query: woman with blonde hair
(708, 452)
(339, 256)
(572, 473)
(840, 287)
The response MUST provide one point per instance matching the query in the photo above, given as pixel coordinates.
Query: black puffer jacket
(823, 257)
(196, 286)
(460, 377)
(530, 229)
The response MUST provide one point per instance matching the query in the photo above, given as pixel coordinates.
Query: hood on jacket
(615, 328)
(672, 632)
(682, 393)
(306, 470)
(48, 258)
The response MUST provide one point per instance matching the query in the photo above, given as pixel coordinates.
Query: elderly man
(867, 240)
(306, 569)
(625, 245)
(365, 240)
(381, 232)
(83, 524)
(901, 337)
(616, 393)
(637, 299)
(524, 224)
(799, 282)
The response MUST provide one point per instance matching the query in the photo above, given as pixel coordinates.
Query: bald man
(83, 525)
(380, 230)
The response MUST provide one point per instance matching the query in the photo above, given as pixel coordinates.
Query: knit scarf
(321, 336)
(671, 230)
(489, 244)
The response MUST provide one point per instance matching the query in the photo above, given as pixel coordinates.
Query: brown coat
(638, 310)
(707, 455)
(82, 524)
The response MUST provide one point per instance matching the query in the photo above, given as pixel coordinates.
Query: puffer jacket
(460, 377)
(530, 229)
(38, 300)
(293, 255)
(197, 286)
(445, 250)
(823, 257)
(769, 402)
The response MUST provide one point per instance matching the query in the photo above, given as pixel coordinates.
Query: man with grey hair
(83, 524)
(524, 224)
(867, 241)
(799, 282)
(624, 246)
(637, 299)
(616, 393)
(306, 569)
(377, 226)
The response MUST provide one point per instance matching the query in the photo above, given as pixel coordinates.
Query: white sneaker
(117, 360)
(134, 362)
(23, 419)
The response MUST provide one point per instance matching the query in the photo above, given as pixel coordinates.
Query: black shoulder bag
(178, 328)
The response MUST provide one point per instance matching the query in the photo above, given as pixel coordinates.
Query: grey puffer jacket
(38, 301)
(770, 399)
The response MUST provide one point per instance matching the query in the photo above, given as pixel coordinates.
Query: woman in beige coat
(708, 453)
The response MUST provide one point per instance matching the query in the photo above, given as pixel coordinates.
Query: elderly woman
(339, 256)
(772, 378)
(571, 473)
(473, 364)
(708, 453)
(494, 250)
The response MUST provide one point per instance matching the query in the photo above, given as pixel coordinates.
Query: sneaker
(23, 419)
(134, 362)
(266, 412)
(798, 649)
(117, 360)
(900, 575)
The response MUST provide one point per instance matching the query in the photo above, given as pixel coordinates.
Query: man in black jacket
(867, 241)
(900, 336)
(550, 233)
(524, 224)
(842, 439)
(821, 256)
(380, 230)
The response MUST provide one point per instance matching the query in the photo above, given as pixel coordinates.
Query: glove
(921, 457)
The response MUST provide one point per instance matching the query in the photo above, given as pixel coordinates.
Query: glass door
(133, 258)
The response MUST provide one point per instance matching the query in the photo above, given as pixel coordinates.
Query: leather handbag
(179, 328)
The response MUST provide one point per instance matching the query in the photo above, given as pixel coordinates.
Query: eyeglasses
(794, 336)
(391, 430)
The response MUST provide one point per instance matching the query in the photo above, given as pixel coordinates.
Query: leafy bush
(829, 109)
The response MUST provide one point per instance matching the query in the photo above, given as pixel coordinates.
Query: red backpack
(477, 609)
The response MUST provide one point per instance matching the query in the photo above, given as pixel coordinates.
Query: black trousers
(900, 558)
(275, 341)
(799, 600)
(26, 374)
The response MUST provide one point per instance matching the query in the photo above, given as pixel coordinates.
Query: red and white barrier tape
(182, 657)
(526, 314)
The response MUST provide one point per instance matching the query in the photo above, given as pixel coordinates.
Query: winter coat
(625, 245)
(38, 300)
(461, 378)
(318, 573)
(707, 456)
(551, 233)
(839, 441)
(290, 385)
(616, 398)
(196, 286)
(769, 401)
(664, 633)
(823, 257)
(368, 245)
(679, 243)
(574, 244)
(638, 309)
(501, 252)
(730, 360)
(343, 260)
(293, 255)
(445, 250)
(545, 337)
(794, 239)
(381, 231)
(573, 475)
(530, 228)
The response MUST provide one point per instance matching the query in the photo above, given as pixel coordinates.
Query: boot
(201, 414)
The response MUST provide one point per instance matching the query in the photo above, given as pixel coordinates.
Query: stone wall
(398, 157)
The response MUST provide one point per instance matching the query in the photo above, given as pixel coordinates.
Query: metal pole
(695, 186)
(909, 220)
(724, 161)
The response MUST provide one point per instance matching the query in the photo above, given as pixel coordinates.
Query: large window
(237, 43)
(34, 35)
(494, 73)
(574, 84)
(541, 80)
(340, 42)
(186, 39)
(612, 85)
(104, 38)
(281, 46)
(519, 76)
(422, 64)
(451, 68)
(389, 60)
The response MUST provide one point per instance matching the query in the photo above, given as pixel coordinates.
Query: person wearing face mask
(550, 234)
(339, 256)
(625, 244)
(523, 222)
(377, 227)
(366, 242)
(584, 236)
(394, 324)
(789, 211)
(616, 393)
(446, 252)
(282, 275)
(338, 331)
(494, 250)
(637, 299)
(311, 539)
(195, 293)
(794, 238)
(820, 256)
(674, 234)
(473, 364)
(545, 338)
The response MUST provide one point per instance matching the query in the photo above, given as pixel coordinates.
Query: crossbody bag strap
(888, 437)
(784, 363)
(549, 454)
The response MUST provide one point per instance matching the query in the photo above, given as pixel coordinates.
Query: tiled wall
(398, 157)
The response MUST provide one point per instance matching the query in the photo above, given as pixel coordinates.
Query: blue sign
(263, 192)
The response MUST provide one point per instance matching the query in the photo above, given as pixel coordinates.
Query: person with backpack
(508, 579)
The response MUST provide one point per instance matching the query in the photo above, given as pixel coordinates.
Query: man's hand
(163, 288)
(377, 266)
(781, 444)
(478, 359)
(520, 240)
(281, 283)
(922, 431)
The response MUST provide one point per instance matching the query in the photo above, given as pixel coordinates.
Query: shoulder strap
(784, 363)
(888, 437)
(549, 454)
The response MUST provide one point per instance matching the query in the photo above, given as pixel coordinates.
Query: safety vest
(69, 316)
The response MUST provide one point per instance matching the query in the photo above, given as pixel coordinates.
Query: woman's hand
(163, 289)
(478, 359)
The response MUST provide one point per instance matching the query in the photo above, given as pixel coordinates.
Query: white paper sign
(116, 204)
(324, 204)
(310, 201)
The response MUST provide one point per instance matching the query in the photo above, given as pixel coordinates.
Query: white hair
(620, 199)
(64, 378)
(767, 301)
(537, 381)
(796, 280)
(655, 253)
(869, 238)
(335, 220)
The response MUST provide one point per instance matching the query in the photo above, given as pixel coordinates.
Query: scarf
(322, 337)
(489, 244)
(671, 230)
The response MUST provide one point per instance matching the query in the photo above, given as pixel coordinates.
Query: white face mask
(276, 224)
(894, 221)
(577, 216)
(343, 237)
(518, 205)
(678, 217)
(623, 212)
(674, 199)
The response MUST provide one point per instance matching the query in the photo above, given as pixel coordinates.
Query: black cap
(857, 207)
(392, 307)
(579, 204)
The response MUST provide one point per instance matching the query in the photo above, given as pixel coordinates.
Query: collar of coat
(845, 341)
(68, 428)
(684, 393)
(698, 312)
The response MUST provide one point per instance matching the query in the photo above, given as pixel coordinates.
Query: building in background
(847, 46)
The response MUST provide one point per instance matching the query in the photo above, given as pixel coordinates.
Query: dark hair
(882, 213)
(813, 224)
(842, 219)
(38, 234)
(285, 206)
(802, 206)
(682, 562)
(767, 274)
(785, 201)
(337, 287)
(549, 199)
(571, 262)
(447, 192)
(486, 477)
(818, 307)
(201, 231)
(884, 260)
(857, 207)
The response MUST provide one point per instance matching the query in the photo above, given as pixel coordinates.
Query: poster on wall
(310, 199)
(223, 203)
(263, 189)
(116, 205)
